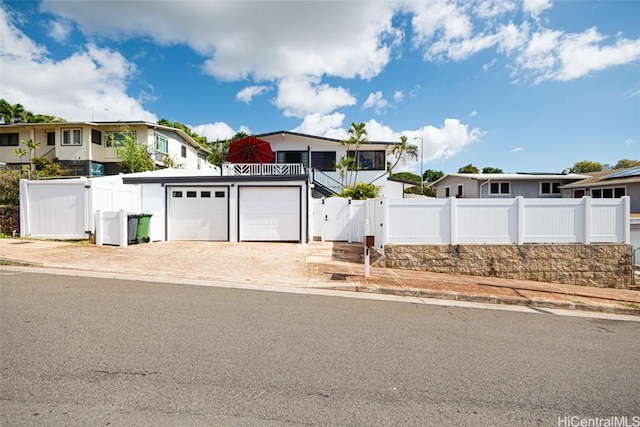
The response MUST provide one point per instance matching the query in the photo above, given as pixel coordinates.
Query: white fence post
(453, 229)
(521, 220)
(587, 219)
(99, 228)
(626, 219)
(25, 209)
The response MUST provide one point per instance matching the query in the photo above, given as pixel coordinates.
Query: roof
(180, 132)
(324, 138)
(514, 177)
(608, 178)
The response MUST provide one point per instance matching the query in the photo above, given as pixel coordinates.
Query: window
(183, 151)
(192, 194)
(205, 194)
(293, 157)
(549, 188)
(71, 137)
(162, 144)
(369, 160)
(220, 194)
(503, 188)
(96, 137)
(447, 191)
(323, 160)
(608, 193)
(177, 194)
(9, 139)
(117, 139)
(460, 190)
(51, 138)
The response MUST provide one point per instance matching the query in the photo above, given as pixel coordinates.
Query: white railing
(326, 181)
(499, 221)
(268, 169)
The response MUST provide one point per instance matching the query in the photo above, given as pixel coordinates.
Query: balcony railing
(264, 169)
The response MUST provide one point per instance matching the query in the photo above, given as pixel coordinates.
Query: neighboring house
(319, 155)
(505, 185)
(86, 148)
(612, 184)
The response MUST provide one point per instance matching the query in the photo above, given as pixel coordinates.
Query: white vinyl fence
(65, 208)
(338, 219)
(499, 221)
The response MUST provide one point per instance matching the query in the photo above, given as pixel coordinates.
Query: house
(612, 184)
(86, 148)
(267, 201)
(319, 156)
(503, 185)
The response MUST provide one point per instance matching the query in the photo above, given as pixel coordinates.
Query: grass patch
(631, 305)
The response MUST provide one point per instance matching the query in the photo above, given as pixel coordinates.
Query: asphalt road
(85, 351)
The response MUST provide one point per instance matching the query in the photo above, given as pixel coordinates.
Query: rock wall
(10, 220)
(599, 265)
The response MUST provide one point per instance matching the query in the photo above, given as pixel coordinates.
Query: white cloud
(629, 141)
(398, 96)
(516, 149)
(259, 39)
(489, 64)
(474, 113)
(446, 141)
(216, 131)
(299, 97)
(376, 101)
(59, 30)
(247, 94)
(493, 8)
(69, 88)
(327, 125)
(536, 7)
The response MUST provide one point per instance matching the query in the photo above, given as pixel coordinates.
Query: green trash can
(132, 229)
(142, 232)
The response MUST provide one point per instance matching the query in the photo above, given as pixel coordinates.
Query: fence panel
(554, 221)
(486, 221)
(499, 221)
(419, 221)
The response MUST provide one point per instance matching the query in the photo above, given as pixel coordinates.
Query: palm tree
(12, 113)
(400, 152)
(32, 146)
(357, 136)
(20, 153)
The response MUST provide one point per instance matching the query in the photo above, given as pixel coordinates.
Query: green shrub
(360, 191)
(10, 186)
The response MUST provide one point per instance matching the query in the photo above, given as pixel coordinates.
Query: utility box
(369, 241)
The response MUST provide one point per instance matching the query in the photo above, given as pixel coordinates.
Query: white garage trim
(197, 213)
(270, 213)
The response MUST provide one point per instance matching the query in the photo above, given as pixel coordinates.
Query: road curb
(491, 299)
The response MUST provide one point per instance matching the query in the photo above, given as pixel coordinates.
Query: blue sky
(530, 85)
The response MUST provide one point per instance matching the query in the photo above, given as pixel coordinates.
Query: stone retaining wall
(599, 265)
(10, 220)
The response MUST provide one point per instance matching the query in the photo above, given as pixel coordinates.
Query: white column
(453, 238)
(587, 220)
(521, 220)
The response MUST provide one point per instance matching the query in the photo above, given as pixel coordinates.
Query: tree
(469, 169)
(400, 151)
(133, 156)
(587, 166)
(431, 175)
(357, 136)
(202, 140)
(20, 153)
(360, 191)
(12, 113)
(407, 177)
(626, 163)
(491, 169)
(219, 149)
(32, 146)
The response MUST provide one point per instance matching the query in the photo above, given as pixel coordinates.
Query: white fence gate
(337, 219)
(65, 208)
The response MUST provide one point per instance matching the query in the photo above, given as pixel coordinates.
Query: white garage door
(270, 214)
(198, 213)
